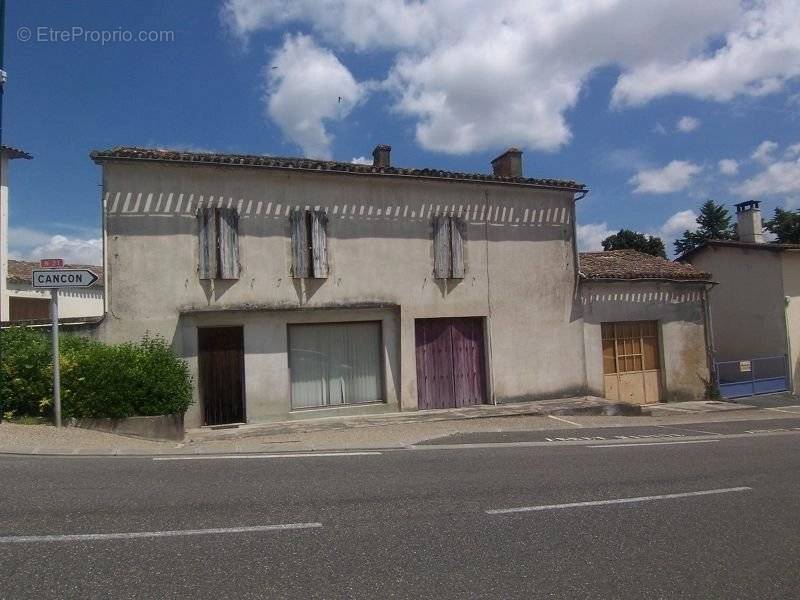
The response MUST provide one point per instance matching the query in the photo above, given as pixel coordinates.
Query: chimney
(508, 164)
(380, 156)
(748, 222)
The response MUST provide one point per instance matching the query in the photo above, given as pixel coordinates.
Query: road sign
(63, 278)
(51, 263)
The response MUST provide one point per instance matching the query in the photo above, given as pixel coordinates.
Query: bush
(97, 380)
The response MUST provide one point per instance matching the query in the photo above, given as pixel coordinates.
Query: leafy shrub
(97, 380)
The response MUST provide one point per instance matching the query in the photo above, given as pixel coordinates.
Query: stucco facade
(519, 254)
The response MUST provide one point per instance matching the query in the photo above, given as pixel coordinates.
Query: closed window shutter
(441, 248)
(457, 230)
(319, 243)
(300, 264)
(228, 243)
(207, 239)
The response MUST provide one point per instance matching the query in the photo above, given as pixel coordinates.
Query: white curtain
(334, 364)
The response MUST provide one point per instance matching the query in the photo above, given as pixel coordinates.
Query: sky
(655, 106)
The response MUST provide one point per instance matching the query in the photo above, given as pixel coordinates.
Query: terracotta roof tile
(631, 264)
(307, 164)
(20, 271)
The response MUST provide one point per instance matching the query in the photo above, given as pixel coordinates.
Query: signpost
(55, 279)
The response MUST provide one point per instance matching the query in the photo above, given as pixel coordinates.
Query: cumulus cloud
(591, 235)
(678, 223)
(30, 244)
(475, 75)
(673, 177)
(781, 177)
(307, 86)
(728, 166)
(361, 160)
(686, 124)
(758, 55)
(764, 153)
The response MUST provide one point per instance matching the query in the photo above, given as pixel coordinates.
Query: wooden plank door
(450, 363)
(221, 374)
(469, 373)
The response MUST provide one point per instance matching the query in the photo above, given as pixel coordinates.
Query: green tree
(785, 224)
(714, 223)
(625, 239)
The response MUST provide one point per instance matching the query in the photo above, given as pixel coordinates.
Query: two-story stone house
(299, 287)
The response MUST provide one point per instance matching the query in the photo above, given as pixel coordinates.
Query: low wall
(163, 427)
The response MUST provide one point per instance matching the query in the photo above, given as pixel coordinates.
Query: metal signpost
(55, 279)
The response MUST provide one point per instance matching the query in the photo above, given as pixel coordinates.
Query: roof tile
(631, 264)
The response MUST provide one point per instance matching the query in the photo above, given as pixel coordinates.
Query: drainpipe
(711, 352)
(789, 364)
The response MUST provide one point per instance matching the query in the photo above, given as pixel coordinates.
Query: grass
(25, 420)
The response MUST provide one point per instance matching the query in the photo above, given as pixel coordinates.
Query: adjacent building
(755, 309)
(298, 287)
(7, 153)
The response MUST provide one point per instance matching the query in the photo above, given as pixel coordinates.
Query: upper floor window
(309, 244)
(218, 237)
(448, 247)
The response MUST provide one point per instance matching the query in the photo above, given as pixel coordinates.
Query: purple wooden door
(450, 367)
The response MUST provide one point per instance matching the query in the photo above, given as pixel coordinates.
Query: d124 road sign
(63, 278)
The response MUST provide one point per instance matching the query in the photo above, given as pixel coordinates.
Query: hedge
(97, 380)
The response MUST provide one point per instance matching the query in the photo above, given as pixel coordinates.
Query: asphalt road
(411, 523)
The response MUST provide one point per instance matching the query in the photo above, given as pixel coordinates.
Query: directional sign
(63, 278)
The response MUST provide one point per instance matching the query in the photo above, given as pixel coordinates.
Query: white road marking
(653, 444)
(91, 537)
(232, 456)
(503, 511)
(565, 420)
(791, 412)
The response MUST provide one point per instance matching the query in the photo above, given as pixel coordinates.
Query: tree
(714, 224)
(785, 224)
(625, 239)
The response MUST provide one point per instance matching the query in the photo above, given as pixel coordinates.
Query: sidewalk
(399, 430)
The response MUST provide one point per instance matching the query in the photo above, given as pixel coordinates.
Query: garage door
(450, 363)
(631, 361)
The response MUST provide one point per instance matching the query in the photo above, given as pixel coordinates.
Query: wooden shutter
(441, 247)
(228, 243)
(319, 243)
(300, 264)
(457, 230)
(207, 238)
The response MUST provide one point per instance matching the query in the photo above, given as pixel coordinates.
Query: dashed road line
(250, 456)
(637, 444)
(565, 420)
(520, 509)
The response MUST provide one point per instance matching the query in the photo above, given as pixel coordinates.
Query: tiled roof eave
(306, 165)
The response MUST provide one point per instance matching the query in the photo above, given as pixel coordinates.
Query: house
(298, 288)
(755, 309)
(7, 153)
(27, 303)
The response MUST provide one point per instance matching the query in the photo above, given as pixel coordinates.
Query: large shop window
(335, 364)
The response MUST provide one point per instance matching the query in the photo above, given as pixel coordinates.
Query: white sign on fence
(63, 278)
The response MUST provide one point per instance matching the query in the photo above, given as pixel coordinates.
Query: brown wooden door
(221, 372)
(24, 309)
(450, 363)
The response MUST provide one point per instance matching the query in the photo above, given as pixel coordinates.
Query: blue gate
(753, 376)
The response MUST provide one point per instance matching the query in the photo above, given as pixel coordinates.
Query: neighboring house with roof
(7, 153)
(755, 309)
(298, 288)
(26, 303)
(644, 326)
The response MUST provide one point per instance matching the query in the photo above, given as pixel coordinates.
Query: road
(717, 517)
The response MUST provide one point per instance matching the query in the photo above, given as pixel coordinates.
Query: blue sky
(638, 101)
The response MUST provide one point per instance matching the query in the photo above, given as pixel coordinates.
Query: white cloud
(591, 235)
(678, 223)
(792, 151)
(674, 177)
(782, 177)
(686, 124)
(30, 244)
(764, 152)
(476, 75)
(728, 166)
(660, 129)
(307, 86)
(758, 55)
(361, 160)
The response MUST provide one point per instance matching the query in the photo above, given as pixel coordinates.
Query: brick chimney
(748, 222)
(508, 164)
(380, 156)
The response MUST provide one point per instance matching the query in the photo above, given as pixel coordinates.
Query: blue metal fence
(753, 376)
